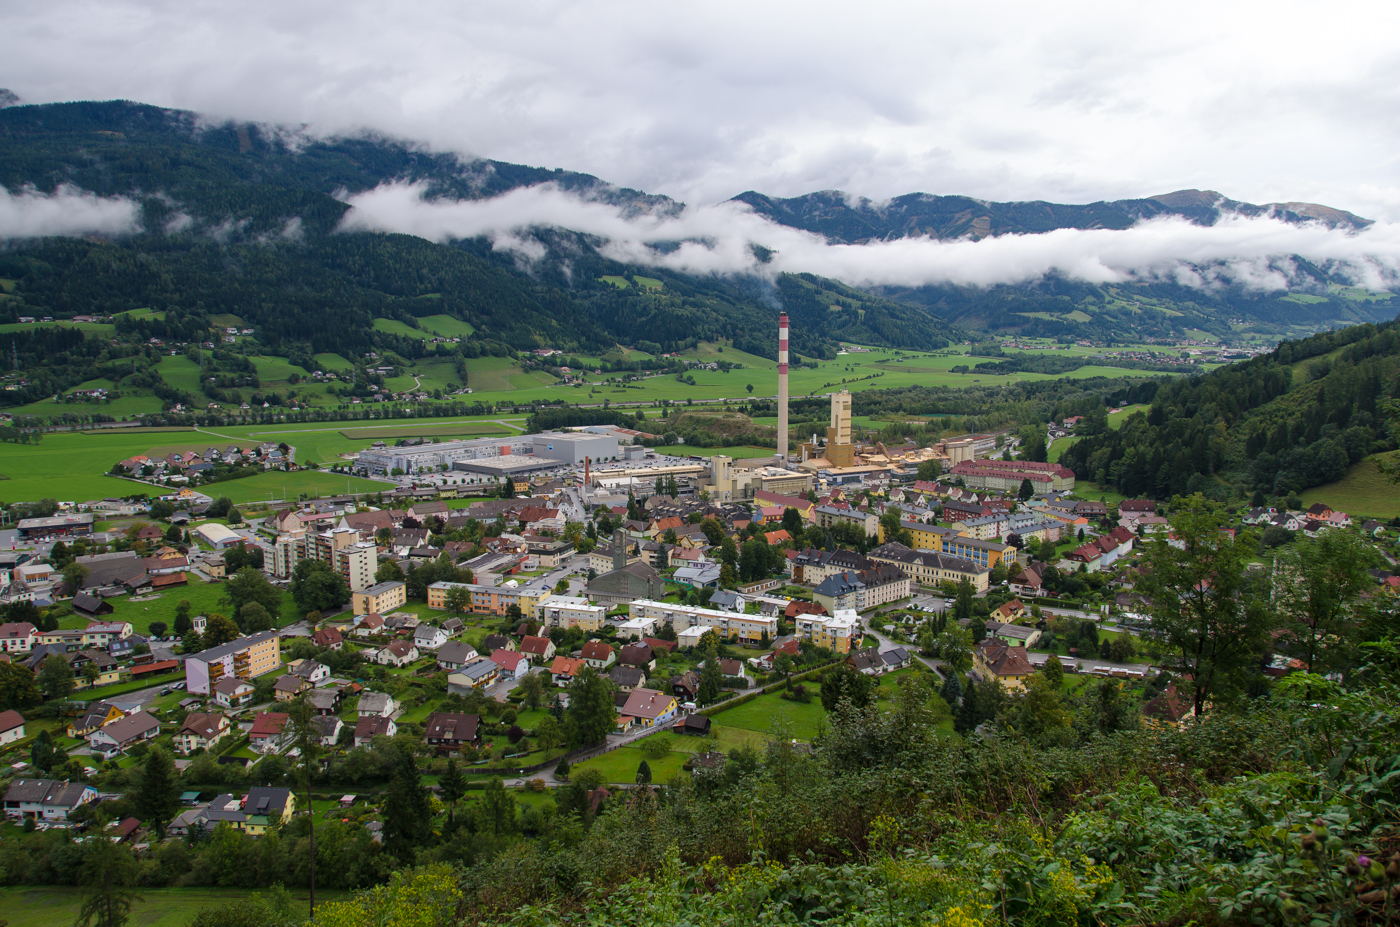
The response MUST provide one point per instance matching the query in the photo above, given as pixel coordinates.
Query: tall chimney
(782, 389)
(587, 471)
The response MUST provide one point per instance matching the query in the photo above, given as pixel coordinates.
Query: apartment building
(748, 628)
(568, 611)
(928, 568)
(489, 600)
(379, 599)
(834, 632)
(245, 658)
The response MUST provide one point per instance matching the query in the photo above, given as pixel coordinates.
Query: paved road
(885, 644)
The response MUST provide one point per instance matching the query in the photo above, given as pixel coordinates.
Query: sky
(1070, 102)
(1067, 102)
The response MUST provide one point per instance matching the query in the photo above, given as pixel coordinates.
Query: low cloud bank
(1252, 252)
(66, 211)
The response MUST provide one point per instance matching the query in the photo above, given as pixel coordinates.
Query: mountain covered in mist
(846, 219)
(246, 220)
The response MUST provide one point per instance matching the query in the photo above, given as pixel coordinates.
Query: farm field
(1364, 491)
(685, 450)
(470, 429)
(444, 326)
(159, 907)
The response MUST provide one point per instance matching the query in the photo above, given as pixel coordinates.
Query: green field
(96, 327)
(334, 362)
(159, 907)
(1116, 419)
(685, 450)
(444, 326)
(806, 721)
(204, 597)
(1058, 449)
(1363, 492)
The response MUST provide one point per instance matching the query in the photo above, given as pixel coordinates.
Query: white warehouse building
(571, 447)
(431, 457)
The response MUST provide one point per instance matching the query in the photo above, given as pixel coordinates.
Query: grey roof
(457, 652)
(124, 730)
(627, 676)
(479, 668)
(46, 791)
(374, 701)
(223, 650)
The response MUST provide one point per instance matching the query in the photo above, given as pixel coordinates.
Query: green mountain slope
(1276, 424)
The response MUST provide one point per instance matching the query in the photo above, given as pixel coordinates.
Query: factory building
(573, 447)
(426, 458)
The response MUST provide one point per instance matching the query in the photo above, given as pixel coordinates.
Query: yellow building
(489, 600)
(244, 658)
(996, 659)
(834, 632)
(385, 597)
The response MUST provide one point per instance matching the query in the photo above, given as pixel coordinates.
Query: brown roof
(1005, 660)
(268, 722)
(202, 724)
(596, 650)
(534, 645)
(647, 703)
(371, 727)
(636, 654)
(326, 637)
(566, 666)
(1168, 706)
(9, 720)
(656, 643)
(444, 725)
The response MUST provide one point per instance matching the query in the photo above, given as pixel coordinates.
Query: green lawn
(160, 907)
(759, 714)
(1363, 492)
(204, 597)
(621, 764)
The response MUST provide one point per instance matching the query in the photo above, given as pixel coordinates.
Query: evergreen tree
(562, 770)
(952, 691)
(157, 796)
(407, 814)
(498, 808)
(454, 786)
(1026, 491)
(643, 773)
(967, 717)
(108, 876)
(711, 677)
(55, 677)
(1053, 671)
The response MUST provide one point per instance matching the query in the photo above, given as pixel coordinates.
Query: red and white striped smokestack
(782, 389)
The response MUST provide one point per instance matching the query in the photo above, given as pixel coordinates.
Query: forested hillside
(1277, 424)
(241, 220)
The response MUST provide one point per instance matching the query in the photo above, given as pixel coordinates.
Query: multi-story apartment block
(379, 599)
(748, 628)
(489, 600)
(834, 632)
(244, 658)
(566, 611)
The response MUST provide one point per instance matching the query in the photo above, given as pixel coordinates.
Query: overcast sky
(1067, 101)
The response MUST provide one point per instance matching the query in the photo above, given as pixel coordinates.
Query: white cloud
(1253, 252)
(1072, 101)
(66, 211)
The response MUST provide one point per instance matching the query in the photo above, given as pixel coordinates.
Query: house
(396, 653)
(627, 678)
(494, 642)
(265, 807)
(17, 637)
(366, 729)
(200, 731)
(269, 734)
(288, 687)
(686, 685)
(513, 665)
(328, 637)
(313, 672)
(370, 625)
(538, 649)
(450, 731)
(1027, 582)
(376, 705)
(477, 674)
(598, 655)
(994, 658)
(452, 627)
(123, 733)
(427, 637)
(637, 654)
(564, 669)
(1168, 707)
(89, 604)
(46, 799)
(1013, 634)
(233, 692)
(329, 728)
(96, 715)
(648, 708)
(1010, 612)
(11, 727)
(325, 701)
(454, 655)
